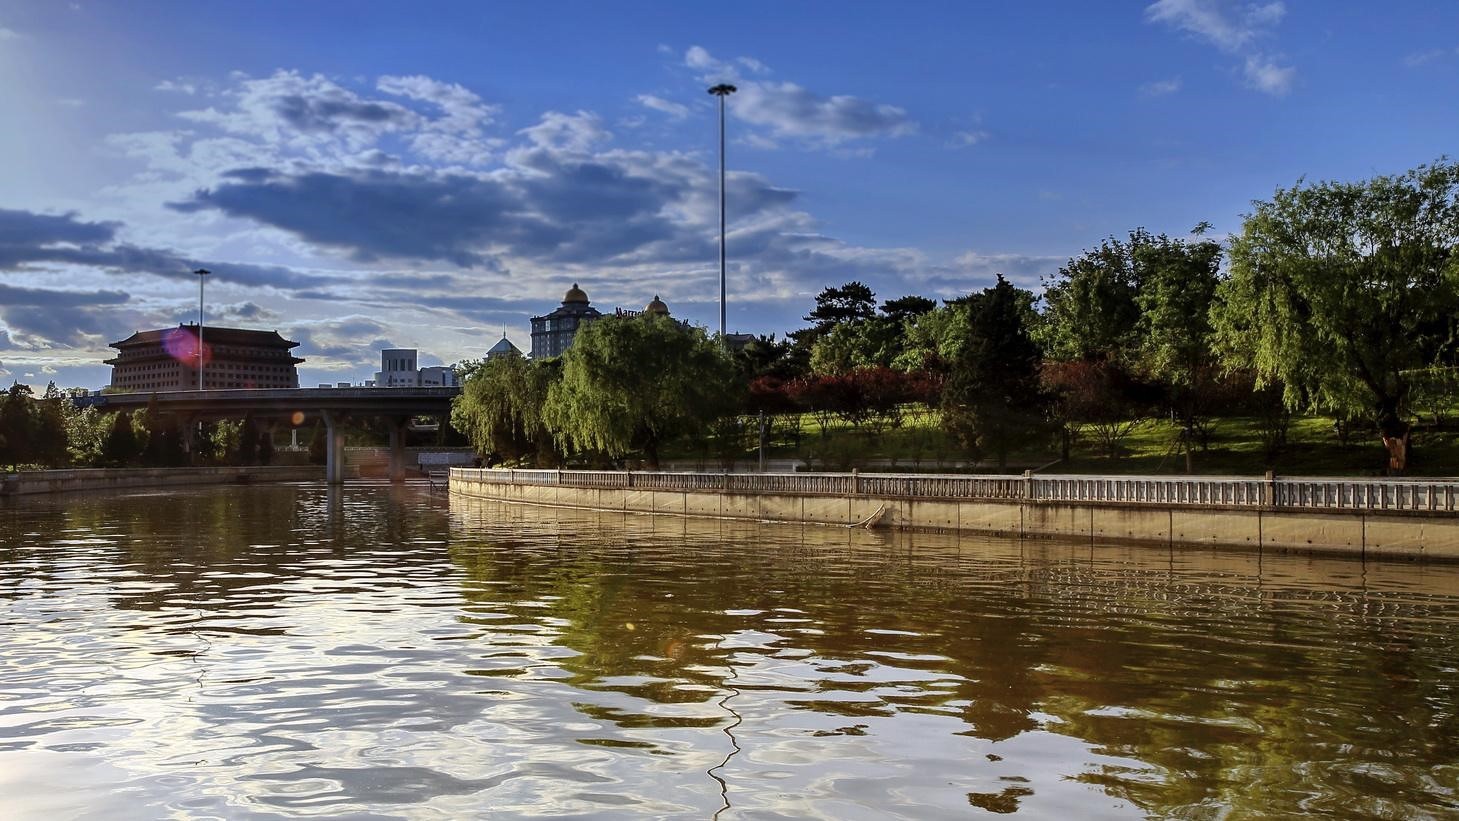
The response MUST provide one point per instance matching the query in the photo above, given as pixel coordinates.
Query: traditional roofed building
(167, 360)
(503, 347)
(553, 333)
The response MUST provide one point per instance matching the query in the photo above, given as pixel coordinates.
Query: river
(377, 652)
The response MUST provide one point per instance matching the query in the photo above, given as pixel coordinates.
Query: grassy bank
(1235, 447)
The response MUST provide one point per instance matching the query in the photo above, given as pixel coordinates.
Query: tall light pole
(721, 91)
(202, 277)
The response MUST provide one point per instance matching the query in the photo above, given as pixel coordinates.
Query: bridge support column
(333, 450)
(397, 448)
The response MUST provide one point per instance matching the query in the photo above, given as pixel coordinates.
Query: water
(279, 651)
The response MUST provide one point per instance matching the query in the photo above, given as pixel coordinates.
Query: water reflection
(243, 652)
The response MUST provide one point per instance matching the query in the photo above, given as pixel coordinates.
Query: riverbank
(1415, 519)
(33, 482)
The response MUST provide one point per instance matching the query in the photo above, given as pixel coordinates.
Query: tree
(636, 383)
(319, 444)
(1091, 306)
(872, 343)
(246, 448)
(52, 436)
(500, 408)
(1177, 289)
(850, 303)
(907, 308)
(1340, 292)
(1099, 397)
(992, 402)
(121, 447)
(17, 427)
(934, 340)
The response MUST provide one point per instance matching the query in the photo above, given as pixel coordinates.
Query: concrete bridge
(398, 405)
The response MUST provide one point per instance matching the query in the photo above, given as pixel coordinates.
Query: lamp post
(202, 277)
(721, 91)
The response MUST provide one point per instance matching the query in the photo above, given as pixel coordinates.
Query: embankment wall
(65, 481)
(1405, 533)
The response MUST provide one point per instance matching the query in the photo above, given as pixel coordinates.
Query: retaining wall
(65, 481)
(1411, 533)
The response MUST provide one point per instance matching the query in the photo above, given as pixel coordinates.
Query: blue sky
(420, 174)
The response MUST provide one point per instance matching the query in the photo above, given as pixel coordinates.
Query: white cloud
(697, 57)
(178, 86)
(676, 110)
(567, 132)
(1160, 88)
(1236, 29)
(788, 110)
(968, 138)
(8, 34)
(1266, 76)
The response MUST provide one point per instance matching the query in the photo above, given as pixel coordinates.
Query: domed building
(656, 307)
(553, 333)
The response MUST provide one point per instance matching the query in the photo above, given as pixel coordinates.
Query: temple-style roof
(503, 347)
(211, 336)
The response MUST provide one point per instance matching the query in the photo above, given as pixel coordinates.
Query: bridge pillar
(397, 448)
(333, 450)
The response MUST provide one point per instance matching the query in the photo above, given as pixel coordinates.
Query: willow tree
(1341, 292)
(500, 408)
(636, 383)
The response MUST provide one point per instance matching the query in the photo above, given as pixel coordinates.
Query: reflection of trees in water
(1219, 684)
(199, 546)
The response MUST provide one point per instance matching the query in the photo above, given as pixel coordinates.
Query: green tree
(121, 447)
(992, 402)
(500, 408)
(904, 309)
(318, 444)
(17, 427)
(874, 342)
(638, 383)
(935, 339)
(1177, 289)
(848, 304)
(1091, 307)
(52, 435)
(1341, 291)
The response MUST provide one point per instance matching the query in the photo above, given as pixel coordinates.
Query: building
(503, 347)
(553, 333)
(398, 370)
(167, 360)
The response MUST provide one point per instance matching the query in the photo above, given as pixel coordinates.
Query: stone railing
(1425, 495)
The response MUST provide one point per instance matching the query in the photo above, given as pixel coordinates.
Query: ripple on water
(281, 651)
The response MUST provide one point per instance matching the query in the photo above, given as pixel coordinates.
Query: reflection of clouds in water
(382, 651)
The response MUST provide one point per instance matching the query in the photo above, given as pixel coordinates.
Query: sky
(370, 175)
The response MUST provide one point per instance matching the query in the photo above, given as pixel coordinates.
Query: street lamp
(202, 277)
(721, 91)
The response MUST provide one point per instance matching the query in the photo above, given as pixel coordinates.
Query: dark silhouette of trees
(992, 403)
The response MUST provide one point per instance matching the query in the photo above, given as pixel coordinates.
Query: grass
(1235, 448)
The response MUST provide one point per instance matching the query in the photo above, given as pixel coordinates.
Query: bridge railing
(1423, 495)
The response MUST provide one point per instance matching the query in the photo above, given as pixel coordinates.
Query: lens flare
(297, 419)
(182, 344)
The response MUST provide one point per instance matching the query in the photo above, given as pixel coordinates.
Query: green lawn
(1235, 448)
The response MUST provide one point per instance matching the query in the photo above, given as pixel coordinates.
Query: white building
(398, 370)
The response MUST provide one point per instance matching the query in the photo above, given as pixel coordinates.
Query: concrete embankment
(1357, 517)
(66, 481)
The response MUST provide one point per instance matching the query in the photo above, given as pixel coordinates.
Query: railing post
(628, 474)
(855, 481)
(724, 478)
(511, 476)
(1269, 490)
(1028, 484)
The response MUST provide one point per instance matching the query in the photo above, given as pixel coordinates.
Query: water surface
(389, 653)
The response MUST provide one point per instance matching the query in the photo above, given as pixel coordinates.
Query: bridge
(331, 405)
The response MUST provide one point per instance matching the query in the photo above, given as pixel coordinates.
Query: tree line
(1335, 299)
(50, 431)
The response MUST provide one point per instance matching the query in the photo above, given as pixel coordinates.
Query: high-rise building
(553, 333)
(167, 360)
